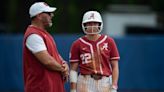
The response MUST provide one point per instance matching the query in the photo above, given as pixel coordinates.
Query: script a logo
(92, 16)
(105, 46)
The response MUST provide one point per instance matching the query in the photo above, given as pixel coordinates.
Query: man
(97, 57)
(44, 68)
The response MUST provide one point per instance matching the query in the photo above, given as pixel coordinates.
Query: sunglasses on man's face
(49, 13)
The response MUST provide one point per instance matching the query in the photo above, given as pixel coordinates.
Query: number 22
(86, 58)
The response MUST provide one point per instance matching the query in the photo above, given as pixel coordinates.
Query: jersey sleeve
(114, 51)
(35, 43)
(74, 52)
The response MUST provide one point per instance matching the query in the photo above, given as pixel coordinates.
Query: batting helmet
(92, 16)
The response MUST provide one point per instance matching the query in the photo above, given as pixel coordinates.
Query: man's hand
(65, 71)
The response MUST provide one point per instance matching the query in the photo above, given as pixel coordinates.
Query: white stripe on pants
(87, 84)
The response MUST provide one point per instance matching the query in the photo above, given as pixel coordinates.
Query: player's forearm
(115, 75)
(73, 86)
(115, 72)
(73, 76)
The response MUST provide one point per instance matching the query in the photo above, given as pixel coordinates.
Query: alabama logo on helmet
(92, 16)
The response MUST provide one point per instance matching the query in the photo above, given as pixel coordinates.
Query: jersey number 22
(86, 58)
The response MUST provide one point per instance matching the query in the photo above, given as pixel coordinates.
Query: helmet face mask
(92, 16)
(92, 29)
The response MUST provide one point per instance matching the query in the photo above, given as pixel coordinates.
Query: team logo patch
(105, 46)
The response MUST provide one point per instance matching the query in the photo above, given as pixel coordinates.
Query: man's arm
(48, 61)
(36, 45)
(73, 75)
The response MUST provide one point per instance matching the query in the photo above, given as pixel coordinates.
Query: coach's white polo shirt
(35, 43)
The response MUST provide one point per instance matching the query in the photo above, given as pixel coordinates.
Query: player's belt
(96, 76)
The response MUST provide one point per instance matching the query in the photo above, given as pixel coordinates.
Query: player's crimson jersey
(37, 78)
(94, 56)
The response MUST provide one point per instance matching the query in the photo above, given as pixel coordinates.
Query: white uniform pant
(87, 84)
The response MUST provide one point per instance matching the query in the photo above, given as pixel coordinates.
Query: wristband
(73, 76)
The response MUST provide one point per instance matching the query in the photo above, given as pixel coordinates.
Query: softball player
(96, 56)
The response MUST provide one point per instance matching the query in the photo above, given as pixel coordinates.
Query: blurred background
(136, 25)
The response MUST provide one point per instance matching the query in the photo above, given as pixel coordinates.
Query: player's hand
(73, 90)
(113, 88)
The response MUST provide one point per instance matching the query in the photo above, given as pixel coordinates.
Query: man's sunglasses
(49, 13)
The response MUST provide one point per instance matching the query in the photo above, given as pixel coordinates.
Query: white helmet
(92, 16)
